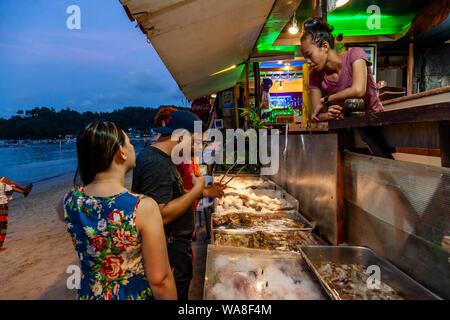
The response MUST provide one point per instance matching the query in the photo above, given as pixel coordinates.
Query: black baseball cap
(178, 120)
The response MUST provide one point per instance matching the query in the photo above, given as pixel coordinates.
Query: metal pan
(286, 241)
(292, 214)
(391, 275)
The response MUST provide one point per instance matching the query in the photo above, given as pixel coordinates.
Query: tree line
(47, 123)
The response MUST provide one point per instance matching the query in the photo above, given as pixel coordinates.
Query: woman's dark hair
(319, 32)
(97, 144)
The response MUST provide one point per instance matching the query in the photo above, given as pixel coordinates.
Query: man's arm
(175, 208)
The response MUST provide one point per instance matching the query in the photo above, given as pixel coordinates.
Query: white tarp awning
(196, 38)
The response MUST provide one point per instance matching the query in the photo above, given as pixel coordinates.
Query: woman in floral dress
(118, 235)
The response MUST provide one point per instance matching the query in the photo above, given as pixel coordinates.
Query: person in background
(336, 77)
(186, 169)
(160, 120)
(7, 188)
(118, 235)
(16, 187)
(155, 175)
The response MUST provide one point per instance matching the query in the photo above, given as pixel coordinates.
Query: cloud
(87, 104)
(113, 98)
(71, 103)
(146, 81)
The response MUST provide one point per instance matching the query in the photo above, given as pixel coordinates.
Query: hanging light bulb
(294, 28)
(340, 3)
(281, 85)
(286, 65)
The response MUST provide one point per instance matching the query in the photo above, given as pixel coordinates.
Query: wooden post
(319, 9)
(246, 93)
(444, 143)
(236, 102)
(246, 88)
(257, 76)
(324, 9)
(409, 79)
(316, 10)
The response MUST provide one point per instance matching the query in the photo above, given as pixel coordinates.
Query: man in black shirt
(155, 175)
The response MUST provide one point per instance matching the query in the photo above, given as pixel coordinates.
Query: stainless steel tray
(391, 275)
(283, 241)
(240, 260)
(269, 185)
(292, 214)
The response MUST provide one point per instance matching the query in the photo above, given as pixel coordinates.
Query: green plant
(254, 114)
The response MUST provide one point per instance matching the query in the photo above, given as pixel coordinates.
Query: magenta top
(318, 80)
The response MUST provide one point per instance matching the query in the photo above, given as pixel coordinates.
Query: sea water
(36, 162)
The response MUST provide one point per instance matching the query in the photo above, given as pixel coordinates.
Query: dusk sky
(105, 65)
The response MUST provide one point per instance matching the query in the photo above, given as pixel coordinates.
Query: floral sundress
(104, 234)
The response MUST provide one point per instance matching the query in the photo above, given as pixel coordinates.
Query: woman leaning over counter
(334, 77)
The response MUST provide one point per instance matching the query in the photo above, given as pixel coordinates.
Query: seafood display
(350, 282)
(253, 216)
(284, 241)
(271, 221)
(240, 183)
(239, 273)
(252, 201)
(342, 272)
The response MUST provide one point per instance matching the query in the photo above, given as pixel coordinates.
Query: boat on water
(12, 144)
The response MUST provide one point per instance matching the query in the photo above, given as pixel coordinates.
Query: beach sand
(39, 249)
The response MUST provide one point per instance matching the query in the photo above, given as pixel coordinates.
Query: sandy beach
(39, 249)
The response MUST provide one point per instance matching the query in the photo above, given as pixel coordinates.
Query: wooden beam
(432, 152)
(432, 14)
(428, 113)
(287, 39)
(306, 127)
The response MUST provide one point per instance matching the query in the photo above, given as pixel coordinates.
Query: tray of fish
(284, 241)
(358, 273)
(251, 274)
(277, 221)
